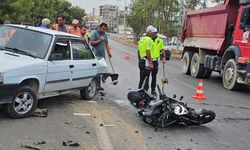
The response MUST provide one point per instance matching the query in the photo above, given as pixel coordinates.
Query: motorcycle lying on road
(166, 110)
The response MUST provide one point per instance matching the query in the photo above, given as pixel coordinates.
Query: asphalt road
(229, 131)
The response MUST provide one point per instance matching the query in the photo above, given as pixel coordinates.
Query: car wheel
(196, 69)
(23, 104)
(230, 75)
(186, 60)
(89, 92)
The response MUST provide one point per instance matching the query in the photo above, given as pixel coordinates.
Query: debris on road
(29, 147)
(39, 142)
(80, 127)
(136, 131)
(81, 114)
(70, 143)
(40, 113)
(87, 132)
(68, 122)
(107, 125)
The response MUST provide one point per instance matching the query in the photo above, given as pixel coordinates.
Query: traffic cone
(127, 56)
(199, 93)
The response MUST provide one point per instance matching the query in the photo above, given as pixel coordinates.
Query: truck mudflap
(244, 75)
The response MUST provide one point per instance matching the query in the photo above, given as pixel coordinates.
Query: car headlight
(1, 78)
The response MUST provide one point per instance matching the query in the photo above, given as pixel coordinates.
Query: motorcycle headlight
(1, 78)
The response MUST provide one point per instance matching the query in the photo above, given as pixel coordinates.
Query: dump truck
(217, 39)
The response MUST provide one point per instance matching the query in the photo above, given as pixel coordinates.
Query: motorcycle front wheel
(203, 116)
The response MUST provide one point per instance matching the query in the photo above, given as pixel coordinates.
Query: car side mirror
(55, 56)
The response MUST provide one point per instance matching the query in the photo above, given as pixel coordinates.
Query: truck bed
(207, 28)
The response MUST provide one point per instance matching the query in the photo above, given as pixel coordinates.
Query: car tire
(186, 61)
(24, 103)
(230, 75)
(196, 69)
(88, 93)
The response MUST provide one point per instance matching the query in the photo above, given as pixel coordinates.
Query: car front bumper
(7, 93)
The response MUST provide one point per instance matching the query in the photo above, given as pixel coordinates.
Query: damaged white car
(36, 63)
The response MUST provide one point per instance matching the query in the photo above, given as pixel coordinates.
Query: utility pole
(179, 23)
(125, 17)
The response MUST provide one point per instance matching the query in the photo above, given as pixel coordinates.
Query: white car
(38, 63)
(166, 46)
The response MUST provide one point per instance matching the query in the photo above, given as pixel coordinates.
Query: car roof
(48, 31)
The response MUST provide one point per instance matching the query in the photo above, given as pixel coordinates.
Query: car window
(81, 50)
(28, 41)
(62, 48)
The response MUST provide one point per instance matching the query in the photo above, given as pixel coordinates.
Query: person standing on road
(158, 46)
(99, 41)
(60, 26)
(145, 46)
(75, 29)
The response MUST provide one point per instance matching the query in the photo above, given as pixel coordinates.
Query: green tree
(33, 11)
(77, 13)
(151, 12)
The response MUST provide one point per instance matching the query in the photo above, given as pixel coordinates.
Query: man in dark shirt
(60, 26)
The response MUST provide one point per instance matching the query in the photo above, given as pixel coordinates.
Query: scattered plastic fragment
(70, 143)
(81, 114)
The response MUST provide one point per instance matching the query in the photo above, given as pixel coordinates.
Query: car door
(85, 64)
(59, 67)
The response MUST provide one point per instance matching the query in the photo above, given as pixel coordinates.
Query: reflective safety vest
(75, 32)
(157, 47)
(145, 43)
(56, 26)
(88, 33)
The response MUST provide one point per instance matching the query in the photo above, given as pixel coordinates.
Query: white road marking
(102, 135)
(185, 84)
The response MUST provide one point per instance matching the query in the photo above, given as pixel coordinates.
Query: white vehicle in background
(167, 48)
(38, 63)
(173, 40)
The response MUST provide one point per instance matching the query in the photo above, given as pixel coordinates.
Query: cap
(150, 29)
(155, 30)
(45, 21)
(75, 21)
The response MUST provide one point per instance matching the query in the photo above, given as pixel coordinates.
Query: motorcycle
(167, 110)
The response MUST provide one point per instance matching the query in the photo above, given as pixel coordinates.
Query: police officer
(158, 46)
(145, 62)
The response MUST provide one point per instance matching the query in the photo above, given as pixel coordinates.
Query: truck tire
(207, 73)
(196, 69)
(230, 75)
(186, 61)
(23, 104)
(88, 93)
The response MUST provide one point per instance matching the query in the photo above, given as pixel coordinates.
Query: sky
(88, 5)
